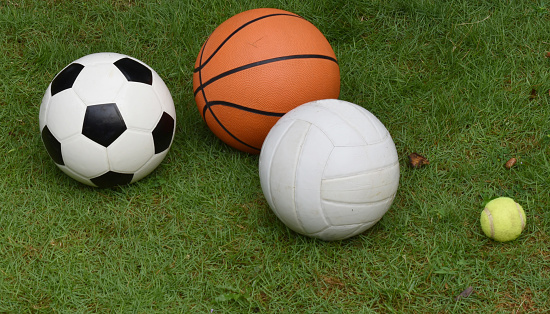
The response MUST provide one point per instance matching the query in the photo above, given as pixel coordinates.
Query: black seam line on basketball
(259, 63)
(212, 112)
(202, 65)
(227, 131)
(200, 79)
(233, 105)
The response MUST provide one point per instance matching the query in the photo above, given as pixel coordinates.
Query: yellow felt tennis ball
(503, 219)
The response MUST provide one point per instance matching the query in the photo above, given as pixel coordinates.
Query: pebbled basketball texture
(255, 67)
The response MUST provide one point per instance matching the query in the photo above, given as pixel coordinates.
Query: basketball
(255, 67)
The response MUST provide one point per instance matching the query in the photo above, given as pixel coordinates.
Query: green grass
(449, 79)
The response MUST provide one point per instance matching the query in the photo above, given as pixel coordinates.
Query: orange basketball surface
(257, 66)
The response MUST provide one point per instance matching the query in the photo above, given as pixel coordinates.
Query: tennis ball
(503, 219)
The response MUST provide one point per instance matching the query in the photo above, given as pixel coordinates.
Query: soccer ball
(107, 119)
(329, 169)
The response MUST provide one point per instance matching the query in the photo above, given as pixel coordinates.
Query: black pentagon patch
(134, 71)
(103, 123)
(111, 179)
(65, 79)
(53, 146)
(163, 133)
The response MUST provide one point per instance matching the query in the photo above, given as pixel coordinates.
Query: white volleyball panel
(315, 151)
(334, 126)
(269, 148)
(340, 232)
(361, 120)
(353, 160)
(341, 214)
(282, 174)
(363, 228)
(366, 187)
(340, 134)
(347, 124)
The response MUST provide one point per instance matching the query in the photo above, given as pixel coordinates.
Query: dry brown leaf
(417, 160)
(466, 293)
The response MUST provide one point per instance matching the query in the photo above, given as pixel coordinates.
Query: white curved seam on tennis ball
(488, 213)
(520, 216)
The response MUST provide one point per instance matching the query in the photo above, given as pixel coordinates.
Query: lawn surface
(464, 83)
